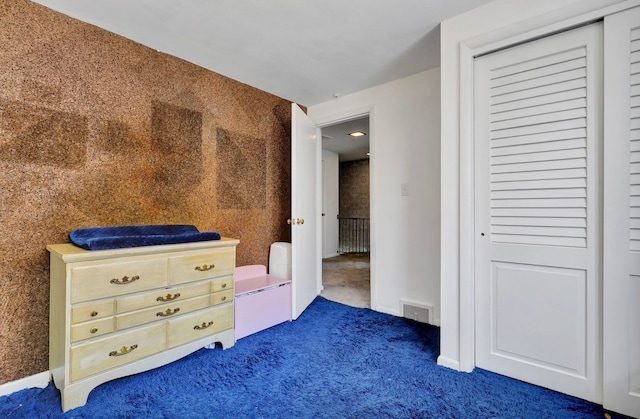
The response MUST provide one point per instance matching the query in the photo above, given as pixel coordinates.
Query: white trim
(467, 226)
(391, 312)
(448, 362)
(318, 224)
(345, 116)
(349, 115)
(540, 26)
(40, 380)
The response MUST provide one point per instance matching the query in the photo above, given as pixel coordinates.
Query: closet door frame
(468, 51)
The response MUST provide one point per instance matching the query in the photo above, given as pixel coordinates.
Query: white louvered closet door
(621, 319)
(537, 136)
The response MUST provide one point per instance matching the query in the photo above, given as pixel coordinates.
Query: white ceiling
(306, 51)
(336, 138)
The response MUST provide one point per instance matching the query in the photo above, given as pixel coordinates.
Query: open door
(304, 210)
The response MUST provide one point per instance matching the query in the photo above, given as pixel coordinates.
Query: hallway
(346, 279)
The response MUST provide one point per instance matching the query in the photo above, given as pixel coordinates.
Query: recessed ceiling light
(357, 133)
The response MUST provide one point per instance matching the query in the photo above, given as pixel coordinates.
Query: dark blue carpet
(335, 361)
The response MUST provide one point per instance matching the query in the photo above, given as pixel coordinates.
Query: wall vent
(419, 312)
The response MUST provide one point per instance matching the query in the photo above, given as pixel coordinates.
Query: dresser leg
(75, 396)
(226, 338)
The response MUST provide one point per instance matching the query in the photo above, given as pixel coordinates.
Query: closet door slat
(538, 150)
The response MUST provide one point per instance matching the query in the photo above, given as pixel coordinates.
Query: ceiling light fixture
(357, 133)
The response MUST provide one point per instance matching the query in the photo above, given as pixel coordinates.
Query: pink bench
(262, 300)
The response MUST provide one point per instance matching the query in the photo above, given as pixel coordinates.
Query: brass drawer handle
(169, 297)
(93, 330)
(123, 351)
(125, 280)
(204, 267)
(168, 312)
(224, 298)
(94, 313)
(224, 285)
(202, 326)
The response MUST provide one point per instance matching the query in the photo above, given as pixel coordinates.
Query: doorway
(345, 212)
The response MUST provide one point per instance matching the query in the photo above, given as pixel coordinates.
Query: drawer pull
(123, 351)
(224, 285)
(169, 297)
(93, 330)
(125, 280)
(168, 312)
(224, 298)
(94, 313)
(202, 326)
(204, 267)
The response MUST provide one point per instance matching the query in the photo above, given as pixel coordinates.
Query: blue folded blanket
(102, 238)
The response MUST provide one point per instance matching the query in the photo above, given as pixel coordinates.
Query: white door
(330, 203)
(537, 209)
(304, 219)
(324, 208)
(621, 318)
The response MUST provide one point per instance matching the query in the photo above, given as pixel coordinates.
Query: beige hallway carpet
(346, 279)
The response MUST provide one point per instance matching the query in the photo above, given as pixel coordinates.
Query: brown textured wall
(96, 130)
(354, 188)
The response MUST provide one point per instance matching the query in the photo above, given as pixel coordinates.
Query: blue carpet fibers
(335, 361)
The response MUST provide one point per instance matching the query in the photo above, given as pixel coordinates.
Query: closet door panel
(537, 160)
(621, 255)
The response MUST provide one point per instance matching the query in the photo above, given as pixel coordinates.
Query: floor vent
(418, 312)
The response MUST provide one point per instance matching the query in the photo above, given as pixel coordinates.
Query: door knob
(289, 221)
(300, 220)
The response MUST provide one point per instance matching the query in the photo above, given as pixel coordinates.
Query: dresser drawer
(161, 297)
(222, 297)
(222, 284)
(210, 264)
(98, 355)
(92, 311)
(200, 324)
(93, 329)
(148, 315)
(100, 281)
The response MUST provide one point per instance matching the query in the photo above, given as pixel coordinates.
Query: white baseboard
(40, 380)
(331, 255)
(449, 363)
(393, 312)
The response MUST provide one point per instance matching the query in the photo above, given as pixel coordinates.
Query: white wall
(485, 27)
(405, 148)
(330, 202)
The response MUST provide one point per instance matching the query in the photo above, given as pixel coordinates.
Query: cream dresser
(119, 312)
